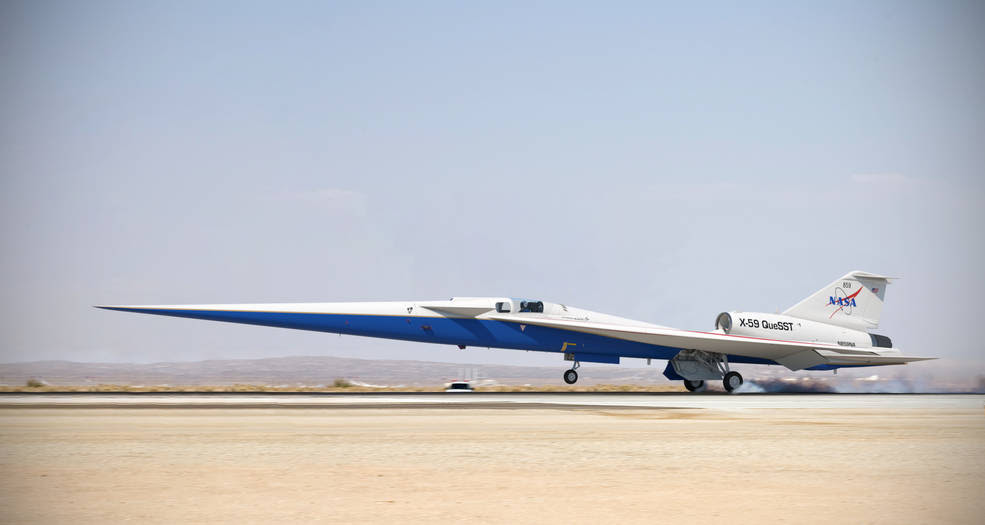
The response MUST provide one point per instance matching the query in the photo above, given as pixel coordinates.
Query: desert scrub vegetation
(34, 383)
(342, 383)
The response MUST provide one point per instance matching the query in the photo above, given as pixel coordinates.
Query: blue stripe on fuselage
(441, 330)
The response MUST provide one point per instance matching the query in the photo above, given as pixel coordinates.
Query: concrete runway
(500, 458)
(473, 400)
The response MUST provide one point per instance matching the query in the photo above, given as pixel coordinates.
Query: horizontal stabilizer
(814, 357)
(838, 358)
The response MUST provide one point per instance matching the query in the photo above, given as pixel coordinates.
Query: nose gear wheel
(570, 376)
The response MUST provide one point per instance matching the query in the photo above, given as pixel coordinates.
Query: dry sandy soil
(534, 465)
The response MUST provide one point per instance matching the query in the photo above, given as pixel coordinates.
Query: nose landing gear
(570, 376)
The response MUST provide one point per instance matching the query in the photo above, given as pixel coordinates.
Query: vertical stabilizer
(853, 301)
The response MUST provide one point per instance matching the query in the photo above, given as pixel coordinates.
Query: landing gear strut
(570, 376)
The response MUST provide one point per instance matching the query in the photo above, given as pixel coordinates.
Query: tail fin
(853, 301)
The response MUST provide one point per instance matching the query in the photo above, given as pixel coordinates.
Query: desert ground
(568, 458)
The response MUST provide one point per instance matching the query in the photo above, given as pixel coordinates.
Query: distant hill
(308, 371)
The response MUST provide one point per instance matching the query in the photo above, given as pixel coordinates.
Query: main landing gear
(694, 386)
(731, 381)
(570, 376)
(696, 367)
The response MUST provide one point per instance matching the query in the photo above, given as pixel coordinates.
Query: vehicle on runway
(459, 386)
(826, 331)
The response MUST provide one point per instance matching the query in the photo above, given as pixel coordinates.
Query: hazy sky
(659, 161)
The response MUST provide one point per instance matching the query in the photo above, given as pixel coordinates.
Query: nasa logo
(843, 301)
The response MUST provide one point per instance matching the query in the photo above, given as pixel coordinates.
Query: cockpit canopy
(532, 306)
(520, 305)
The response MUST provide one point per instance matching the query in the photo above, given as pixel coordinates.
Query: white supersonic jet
(826, 331)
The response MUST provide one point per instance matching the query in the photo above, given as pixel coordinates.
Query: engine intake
(724, 322)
